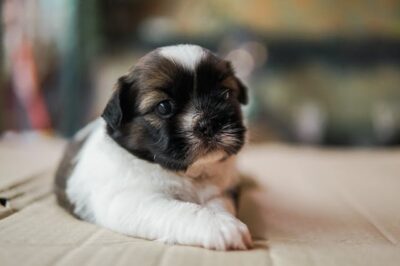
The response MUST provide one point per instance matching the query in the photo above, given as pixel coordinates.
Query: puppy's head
(177, 106)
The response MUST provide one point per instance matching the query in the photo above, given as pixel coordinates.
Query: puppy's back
(68, 162)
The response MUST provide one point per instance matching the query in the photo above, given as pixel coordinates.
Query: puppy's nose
(204, 128)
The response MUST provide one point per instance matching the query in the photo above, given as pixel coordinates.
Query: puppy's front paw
(225, 232)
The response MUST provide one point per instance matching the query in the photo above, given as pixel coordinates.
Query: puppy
(159, 161)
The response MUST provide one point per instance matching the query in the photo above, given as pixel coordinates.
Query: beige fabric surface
(303, 206)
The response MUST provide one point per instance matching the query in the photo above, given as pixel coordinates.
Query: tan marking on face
(229, 139)
(231, 84)
(189, 118)
(154, 120)
(136, 133)
(200, 165)
(149, 99)
(210, 158)
(155, 73)
(157, 79)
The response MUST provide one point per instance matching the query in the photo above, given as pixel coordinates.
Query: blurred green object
(77, 55)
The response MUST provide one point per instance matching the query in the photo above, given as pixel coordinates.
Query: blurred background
(323, 72)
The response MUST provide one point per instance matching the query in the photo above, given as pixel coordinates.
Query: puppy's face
(178, 106)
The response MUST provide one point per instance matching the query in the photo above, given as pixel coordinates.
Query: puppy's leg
(222, 203)
(226, 204)
(172, 221)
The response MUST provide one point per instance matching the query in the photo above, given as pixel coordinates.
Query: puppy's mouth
(227, 141)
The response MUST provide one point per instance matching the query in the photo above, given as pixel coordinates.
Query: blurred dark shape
(319, 72)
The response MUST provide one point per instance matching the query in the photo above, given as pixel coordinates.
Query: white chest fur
(113, 188)
(104, 170)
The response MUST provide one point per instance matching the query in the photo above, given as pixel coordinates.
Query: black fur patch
(64, 171)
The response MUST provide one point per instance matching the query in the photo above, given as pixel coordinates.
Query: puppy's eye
(227, 94)
(165, 108)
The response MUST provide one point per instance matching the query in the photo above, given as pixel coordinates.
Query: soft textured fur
(163, 177)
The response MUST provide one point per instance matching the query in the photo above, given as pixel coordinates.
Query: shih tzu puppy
(159, 162)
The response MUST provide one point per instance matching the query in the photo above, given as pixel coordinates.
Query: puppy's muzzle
(205, 129)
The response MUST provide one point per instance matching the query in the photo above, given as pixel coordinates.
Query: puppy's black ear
(242, 96)
(115, 112)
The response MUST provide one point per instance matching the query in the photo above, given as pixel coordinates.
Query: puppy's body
(155, 176)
